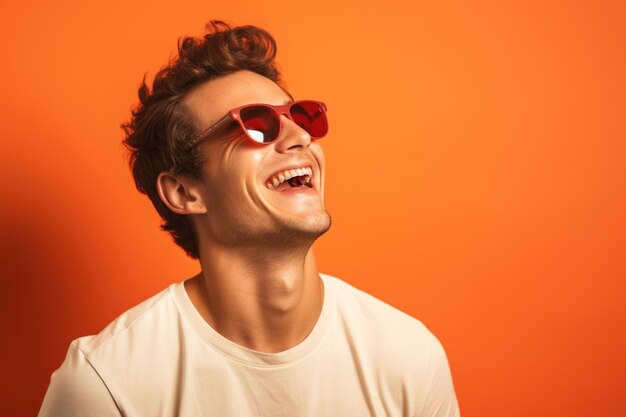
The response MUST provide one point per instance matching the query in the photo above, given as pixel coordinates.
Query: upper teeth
(283, 176)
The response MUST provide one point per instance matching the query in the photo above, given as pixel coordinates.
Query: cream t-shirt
(161, 358)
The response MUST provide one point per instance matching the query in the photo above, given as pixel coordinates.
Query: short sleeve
(76, 390)
(441, 398)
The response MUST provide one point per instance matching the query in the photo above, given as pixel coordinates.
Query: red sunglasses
(262, 122)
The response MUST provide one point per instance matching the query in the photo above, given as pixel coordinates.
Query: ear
(180, 195)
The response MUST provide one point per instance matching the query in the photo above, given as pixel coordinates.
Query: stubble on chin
(279, 235)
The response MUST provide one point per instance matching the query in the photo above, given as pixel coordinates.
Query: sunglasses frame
(279, 110)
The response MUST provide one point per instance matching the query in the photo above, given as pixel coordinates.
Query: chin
(310, 227)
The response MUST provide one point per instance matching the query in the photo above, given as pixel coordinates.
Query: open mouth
(291, 178)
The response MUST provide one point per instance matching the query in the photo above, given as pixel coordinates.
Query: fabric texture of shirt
(161, 358)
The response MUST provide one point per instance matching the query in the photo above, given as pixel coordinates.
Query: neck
(268, 302)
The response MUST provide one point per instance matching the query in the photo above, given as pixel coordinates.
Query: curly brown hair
(161, 126)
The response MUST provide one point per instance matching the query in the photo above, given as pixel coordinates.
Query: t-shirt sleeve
(441, 398)
(76, 390)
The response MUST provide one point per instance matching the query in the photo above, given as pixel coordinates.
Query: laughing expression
(255, 192)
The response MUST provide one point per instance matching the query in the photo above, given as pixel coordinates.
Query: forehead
(211, 100)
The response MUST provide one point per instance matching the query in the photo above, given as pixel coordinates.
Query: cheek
(246, 165)
(238, 173)
(255, 159)
(235, 168)
(318, 153)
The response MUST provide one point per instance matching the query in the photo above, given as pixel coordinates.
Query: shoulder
(374, 319)
(76, 389)
(399, 349)
(127, 349)
(86, 381)
(141, 318)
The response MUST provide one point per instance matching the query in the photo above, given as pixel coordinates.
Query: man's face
(241, 207)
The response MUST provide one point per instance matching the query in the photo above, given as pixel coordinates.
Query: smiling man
(233, 165)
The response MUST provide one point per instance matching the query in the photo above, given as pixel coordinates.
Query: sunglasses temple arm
(209, 130)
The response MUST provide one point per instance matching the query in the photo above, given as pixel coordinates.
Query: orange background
(475, 172)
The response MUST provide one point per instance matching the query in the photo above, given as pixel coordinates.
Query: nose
(292, 136)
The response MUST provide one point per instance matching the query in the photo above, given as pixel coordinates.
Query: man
(233, 165)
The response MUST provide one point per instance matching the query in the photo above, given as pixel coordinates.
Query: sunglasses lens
(310, 116)
(262, 123)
